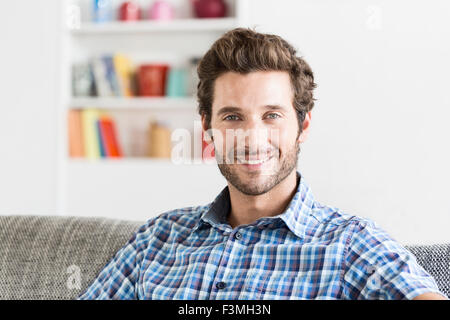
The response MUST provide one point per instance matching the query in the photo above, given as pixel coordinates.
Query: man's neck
(246, 208)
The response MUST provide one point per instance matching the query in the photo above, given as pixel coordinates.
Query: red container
(210, 8)
(152, 79)
(129, 11)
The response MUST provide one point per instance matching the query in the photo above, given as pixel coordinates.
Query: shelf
(145, 26)
(140, 161)
(156, 103)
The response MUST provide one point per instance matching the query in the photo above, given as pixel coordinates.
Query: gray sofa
(51, 257)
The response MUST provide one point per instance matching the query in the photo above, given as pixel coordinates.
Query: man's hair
(244, 50)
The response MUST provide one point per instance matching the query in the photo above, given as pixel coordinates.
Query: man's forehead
(257, 89)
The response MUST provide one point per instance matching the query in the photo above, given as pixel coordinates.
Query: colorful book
(76, 146)
(110, 74)
(109, 137)
(100, 140)
(89, 117)
(124, 74)
(102, 85)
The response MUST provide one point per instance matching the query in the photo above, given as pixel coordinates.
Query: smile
(254, 161)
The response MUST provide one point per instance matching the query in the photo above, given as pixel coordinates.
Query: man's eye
(231, 117)
(273, 115)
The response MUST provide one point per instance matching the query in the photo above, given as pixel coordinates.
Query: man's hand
(430, 296)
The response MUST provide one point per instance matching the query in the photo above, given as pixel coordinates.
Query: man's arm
(119, 277)
(378, 267)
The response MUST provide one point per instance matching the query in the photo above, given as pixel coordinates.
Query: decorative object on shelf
(82, 80)
(129, 11)
(210, 8)
(160, 143)
(161, 10)
(176, 83)
(152, 79)
(103, 11)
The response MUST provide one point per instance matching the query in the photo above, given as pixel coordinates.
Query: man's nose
(256, 134)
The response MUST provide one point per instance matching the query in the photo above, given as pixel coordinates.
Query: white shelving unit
(134, 187)
(184, 25)
(123, 103)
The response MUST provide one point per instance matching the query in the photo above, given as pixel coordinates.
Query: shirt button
(238, 235)
(221, 285)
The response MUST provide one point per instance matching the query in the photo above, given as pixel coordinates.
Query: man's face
(254, 115)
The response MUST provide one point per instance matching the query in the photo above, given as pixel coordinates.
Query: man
(264, 236)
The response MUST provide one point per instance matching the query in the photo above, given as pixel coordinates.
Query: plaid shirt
(310, 251)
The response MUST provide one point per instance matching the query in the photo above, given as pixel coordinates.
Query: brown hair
(244, 50)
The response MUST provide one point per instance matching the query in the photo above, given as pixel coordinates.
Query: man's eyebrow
(275, 107)
(236, 109)
(228, 109)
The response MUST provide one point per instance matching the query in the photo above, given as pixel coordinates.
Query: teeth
(256, 161)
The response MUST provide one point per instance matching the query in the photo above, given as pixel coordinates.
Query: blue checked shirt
(310, 251)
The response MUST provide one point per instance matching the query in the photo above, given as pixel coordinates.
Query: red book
(109, 137)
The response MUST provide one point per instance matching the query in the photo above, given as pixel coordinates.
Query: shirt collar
(297, 216)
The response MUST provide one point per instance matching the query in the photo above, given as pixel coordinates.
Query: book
(101, 143)
(102, 85)
(75, 134)
(109, 137)
(110, 75)
(124, 74)
(91, 142)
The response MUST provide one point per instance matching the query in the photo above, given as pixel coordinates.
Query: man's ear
(306, 125)
(205, 127)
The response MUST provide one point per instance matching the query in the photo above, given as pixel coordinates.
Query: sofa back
(53, 257)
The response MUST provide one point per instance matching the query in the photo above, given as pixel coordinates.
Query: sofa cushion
(435, 259)
(53, 257)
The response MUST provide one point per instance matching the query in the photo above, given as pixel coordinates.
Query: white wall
(378, 144)
(28, 107)
(379, 141)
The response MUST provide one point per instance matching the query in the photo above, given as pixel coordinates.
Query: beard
(285, 165)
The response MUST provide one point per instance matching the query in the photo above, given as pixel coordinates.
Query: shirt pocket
(260, 285)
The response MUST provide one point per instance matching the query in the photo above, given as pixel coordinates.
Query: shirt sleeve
(378, 267)
(118, 279)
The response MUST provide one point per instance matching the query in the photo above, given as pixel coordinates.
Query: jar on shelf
(209, 8)
(160, 143)
(161, 10)
(129, 11)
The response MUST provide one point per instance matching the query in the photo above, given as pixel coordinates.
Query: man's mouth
(254, 159)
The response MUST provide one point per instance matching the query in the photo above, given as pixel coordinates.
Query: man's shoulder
(332, 219)
(180, 219)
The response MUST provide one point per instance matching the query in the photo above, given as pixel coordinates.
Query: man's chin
(252, 183)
